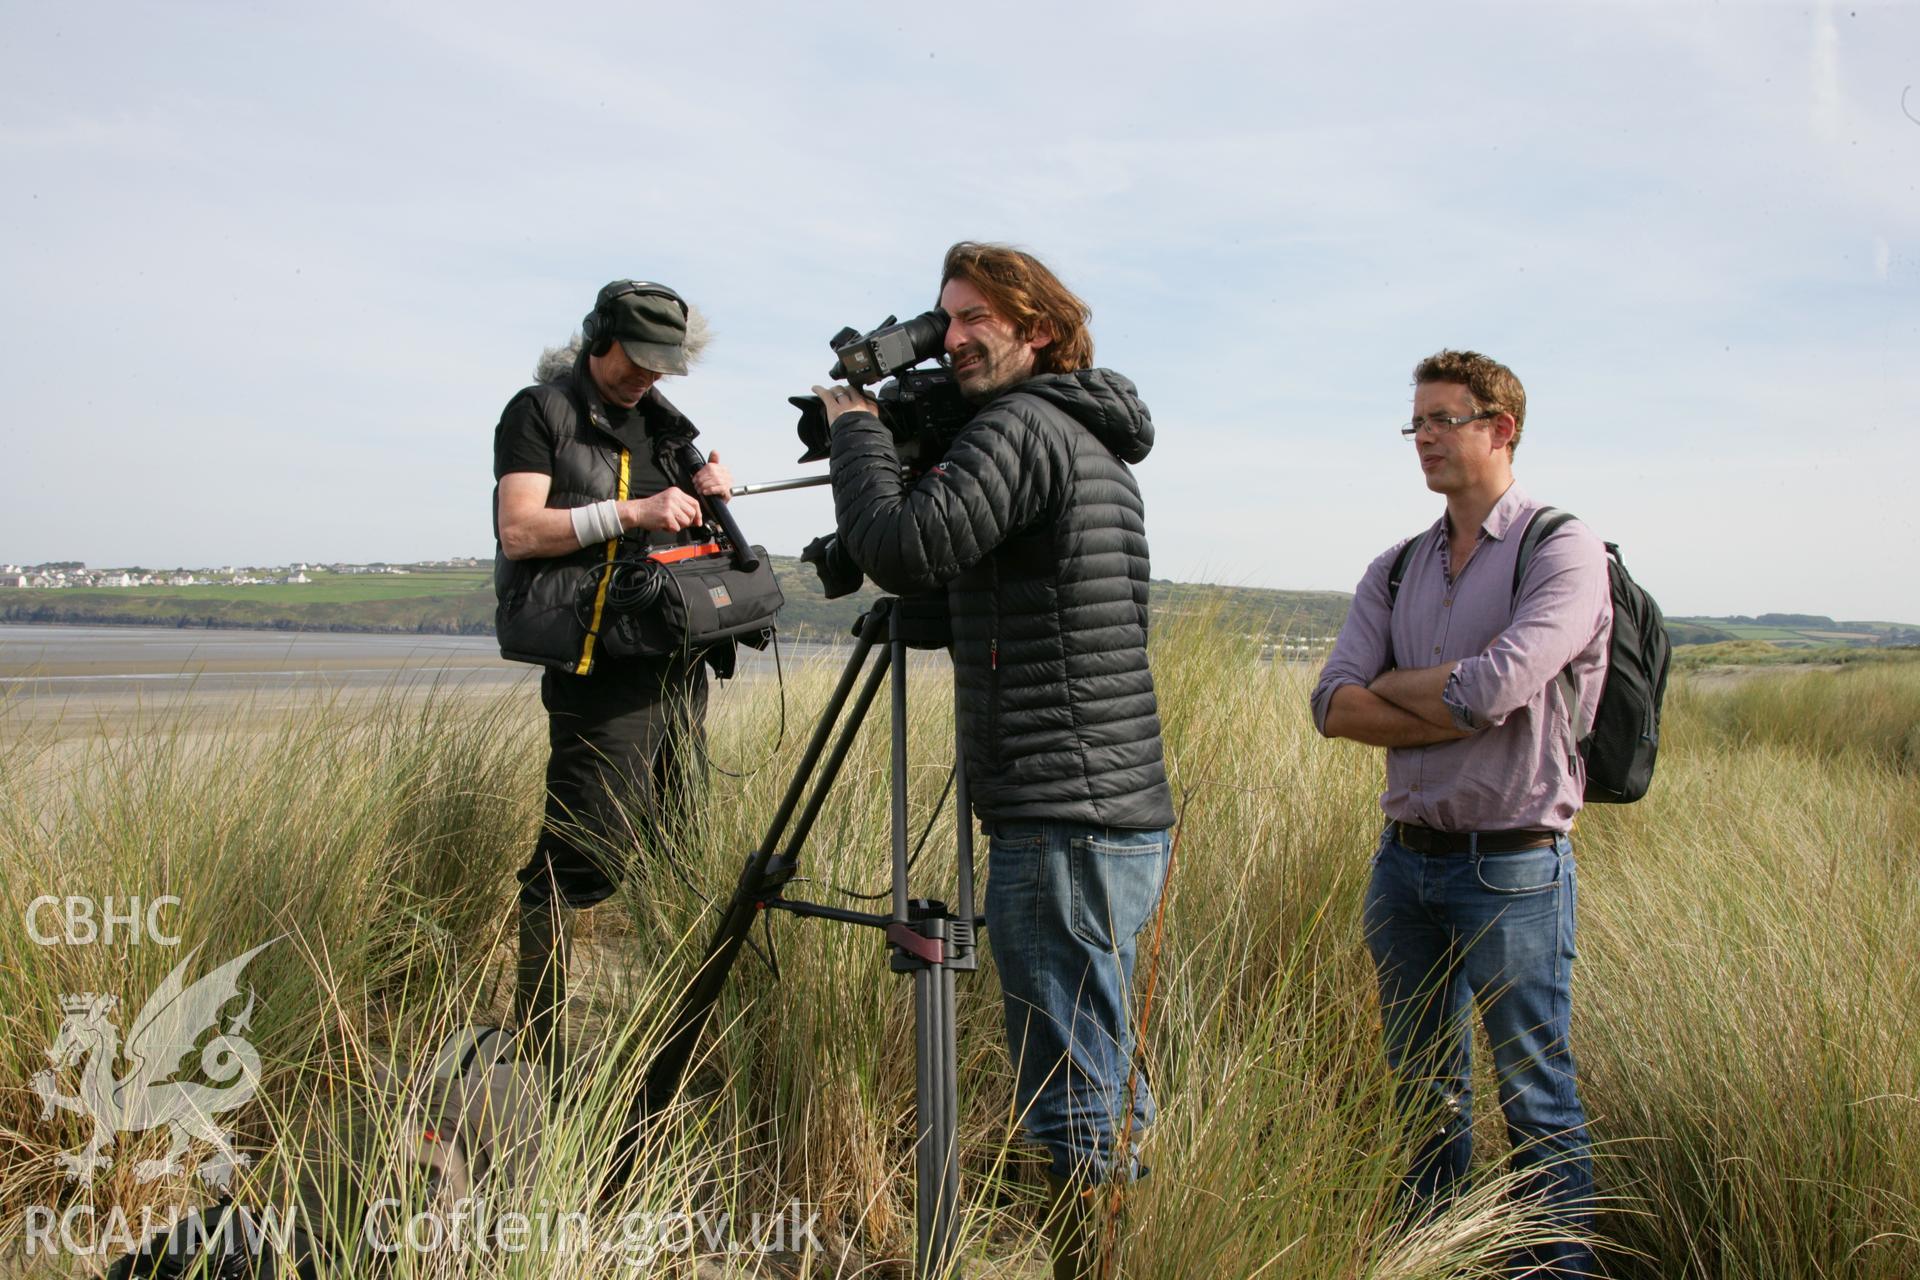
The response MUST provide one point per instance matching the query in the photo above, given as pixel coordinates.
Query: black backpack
(1620, 745)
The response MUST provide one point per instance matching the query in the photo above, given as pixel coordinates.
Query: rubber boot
(541, 991)
(1073, 1241)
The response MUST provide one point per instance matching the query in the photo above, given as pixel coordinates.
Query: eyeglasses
(1441, 423)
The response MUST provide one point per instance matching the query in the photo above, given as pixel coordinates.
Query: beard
(997, 371)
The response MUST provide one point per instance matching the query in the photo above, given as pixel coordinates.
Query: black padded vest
(545, 612)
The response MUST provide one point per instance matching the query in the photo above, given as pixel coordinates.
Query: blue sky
(272, 271)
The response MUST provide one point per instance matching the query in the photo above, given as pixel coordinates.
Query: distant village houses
(367, 568)
(300, 572)
(51, 577)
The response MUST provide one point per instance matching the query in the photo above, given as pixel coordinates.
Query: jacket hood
(556, 362)
(1103, 402)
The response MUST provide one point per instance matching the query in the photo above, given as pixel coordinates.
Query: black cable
(912, 857)
(631, 586)
(780, 739)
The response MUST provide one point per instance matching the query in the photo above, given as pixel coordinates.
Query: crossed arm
(1399, 709)
(1381, 708)
(1562, 604)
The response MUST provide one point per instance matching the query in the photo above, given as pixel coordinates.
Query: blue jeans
(1447, 930)
(1064, 903)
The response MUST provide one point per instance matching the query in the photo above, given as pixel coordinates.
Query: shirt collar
(1513, 504)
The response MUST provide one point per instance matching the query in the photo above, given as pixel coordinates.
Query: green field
(461, 602)
(326, 588)
(1772, 635)
(1747, 1002)
(1762, 653)
(456, 602)
(1793, 630)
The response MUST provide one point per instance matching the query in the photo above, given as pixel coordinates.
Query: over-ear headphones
(596, 329)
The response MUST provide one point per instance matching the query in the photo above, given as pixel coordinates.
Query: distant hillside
(437, 602)
(1299, 619)
(1685, 632)
(460, 602)
(1792, 630)
(445, 601)
(1761, 653)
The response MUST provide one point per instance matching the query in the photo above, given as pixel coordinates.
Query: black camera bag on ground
(220, 1242)
(472, 1125)
(1620, 745)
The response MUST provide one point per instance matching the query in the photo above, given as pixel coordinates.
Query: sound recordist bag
(686, 599)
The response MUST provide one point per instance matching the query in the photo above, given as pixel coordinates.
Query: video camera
(922, 408)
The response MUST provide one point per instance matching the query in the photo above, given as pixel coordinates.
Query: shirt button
(1446, 604)
(1436, 651)
(1414, 787)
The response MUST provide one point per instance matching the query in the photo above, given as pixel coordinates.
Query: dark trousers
(627, 753)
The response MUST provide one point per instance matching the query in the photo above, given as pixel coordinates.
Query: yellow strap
(585, 664)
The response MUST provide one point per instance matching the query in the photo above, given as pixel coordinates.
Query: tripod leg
(944, 1156)
(837, 757)
(950, 1121)
(936, 1119)
(936, 1071)
(898, 650)
(925, 1127)
(669, 1062)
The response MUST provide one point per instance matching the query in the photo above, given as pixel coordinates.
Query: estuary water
(108, 671)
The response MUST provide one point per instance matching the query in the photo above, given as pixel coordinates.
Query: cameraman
(1033, 525)
(584, 459)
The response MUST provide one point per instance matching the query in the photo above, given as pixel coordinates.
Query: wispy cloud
(251, 250)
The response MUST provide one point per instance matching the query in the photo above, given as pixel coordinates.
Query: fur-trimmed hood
(556, 362)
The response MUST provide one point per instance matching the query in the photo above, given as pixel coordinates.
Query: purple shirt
(1518, 767)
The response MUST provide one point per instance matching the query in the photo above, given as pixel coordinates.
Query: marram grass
(1747, 999)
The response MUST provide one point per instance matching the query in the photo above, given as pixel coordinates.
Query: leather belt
(1428, 840)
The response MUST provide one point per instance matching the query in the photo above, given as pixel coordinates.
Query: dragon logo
(146, 1097)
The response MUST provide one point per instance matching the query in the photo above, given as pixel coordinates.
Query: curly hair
(1019, 288)
(1490, 383)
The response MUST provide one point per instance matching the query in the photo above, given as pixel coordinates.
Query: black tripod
(926, 939)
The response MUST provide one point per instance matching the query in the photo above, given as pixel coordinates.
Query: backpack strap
(1544, 523)
(481, 1036)
(1395, 575)
(1398, 572)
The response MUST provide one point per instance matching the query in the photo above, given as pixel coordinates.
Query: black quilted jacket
(1033, 523)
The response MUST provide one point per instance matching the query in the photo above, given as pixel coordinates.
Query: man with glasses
(1454, 663)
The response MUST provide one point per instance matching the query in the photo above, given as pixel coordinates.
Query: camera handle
(926, 940)
(743, 558)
